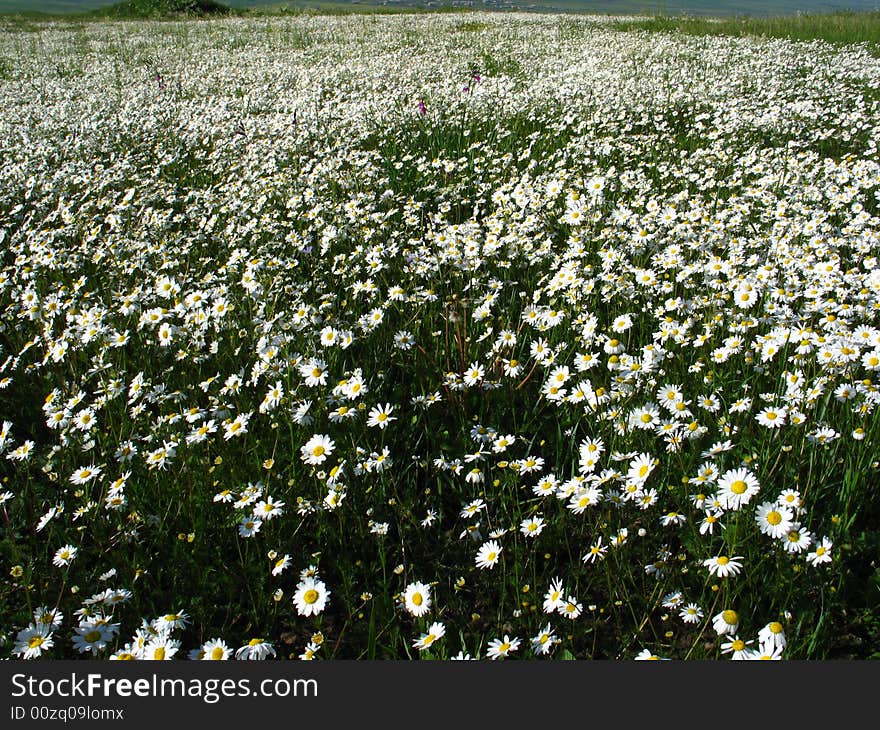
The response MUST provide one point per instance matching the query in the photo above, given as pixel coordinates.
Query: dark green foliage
(164, 8)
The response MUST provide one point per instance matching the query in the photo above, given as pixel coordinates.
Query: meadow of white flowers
(452, 336)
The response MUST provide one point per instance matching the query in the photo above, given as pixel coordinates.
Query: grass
(838, 27)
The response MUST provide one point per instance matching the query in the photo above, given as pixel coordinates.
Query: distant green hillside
(52, 6)
(666, 8)
(164, 8)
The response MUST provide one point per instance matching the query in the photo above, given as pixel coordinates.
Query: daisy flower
(488, 554)
(570, 608)
(426, 640)
(281, 565)
(249, 526)
(92, 638)
(691, 614)
(314, 372)
(310, 597)
(797, 539)
(640, 469)
(268, 509)
(310, 651)
(417, 599)
(500, 648)
(790, 498)
(773, 633)
(64, 556)
(726, 622)
(381, 416)
(317, 449)
(709, 521)
(30, 643)
(171, 621)
(546, 486)
(736, 488)
(772, 417)
(215, 650)
(545, 640)
(255, 649)
(161, 648)
(768, 651)
(736, 647)
(473, 508)
(532, 527)
(822, 553)
(85, 474)
(774, 520)
(724, 566)
(237, 427)
(49, 618)
(474, 374)
(553, 599)
(596, 552)
(647, 655)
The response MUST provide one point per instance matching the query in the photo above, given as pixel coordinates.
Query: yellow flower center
(774, 518)
(738, 487)
(93, 636)
(318, 451)
(730, 617)
(217, 653)
(417, 599)
(491, 556)
(738, 645)
(35, 641)
(310, 596)
(723, 560)
(159, 653)
(254, 642)
(775, 627)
